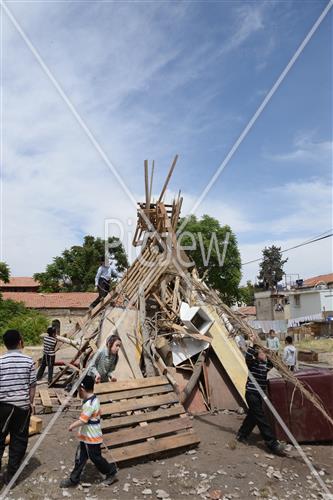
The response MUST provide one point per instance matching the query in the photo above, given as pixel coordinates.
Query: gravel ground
(218, 468)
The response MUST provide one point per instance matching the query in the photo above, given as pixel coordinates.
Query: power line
(296, 246)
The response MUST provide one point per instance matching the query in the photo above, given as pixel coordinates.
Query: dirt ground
(217, 468)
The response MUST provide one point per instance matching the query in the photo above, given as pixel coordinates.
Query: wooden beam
(139, 404)
(131, 435)
(151, 180)
(136, 393)
(156, 446)
(186, 392)
(46, 400)
(168, 178)
(150, 371)
(146, 184)
(124, 385)
(161, 414)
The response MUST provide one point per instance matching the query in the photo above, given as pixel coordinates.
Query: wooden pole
(146, 184)
(186, 392)
(151, 180)
(150, 371)
(168, 178)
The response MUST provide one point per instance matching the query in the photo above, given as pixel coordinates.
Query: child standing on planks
(90, 437)
(48, 359)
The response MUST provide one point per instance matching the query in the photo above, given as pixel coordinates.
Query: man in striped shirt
(258, 366)
(17, 392)
(48, 358)
(90, 437)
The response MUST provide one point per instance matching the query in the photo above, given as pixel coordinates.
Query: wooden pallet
(48, 400)
(144, 418)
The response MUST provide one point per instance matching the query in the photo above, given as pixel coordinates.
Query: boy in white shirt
(290, 354)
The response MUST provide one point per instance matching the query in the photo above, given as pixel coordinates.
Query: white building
(310, 300)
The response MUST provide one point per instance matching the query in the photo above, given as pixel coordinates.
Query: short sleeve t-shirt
(91, 432)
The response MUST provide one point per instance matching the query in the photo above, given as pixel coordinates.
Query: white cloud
(307, 261)
(308, 205)
(306, 150)
(249, 19)
(56, 187)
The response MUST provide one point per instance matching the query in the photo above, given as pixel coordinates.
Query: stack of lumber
(48, 400)
(144, 418)
(145, 307)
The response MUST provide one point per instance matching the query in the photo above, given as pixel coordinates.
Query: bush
(30, 323)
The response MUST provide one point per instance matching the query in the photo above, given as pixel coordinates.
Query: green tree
(75, 269)
(246, 293)
(14, 315)
(271, 267)
(215, 253)
(4, 272)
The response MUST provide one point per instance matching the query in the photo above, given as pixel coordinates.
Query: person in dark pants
(90, 437)
(103, 279)
(258, 366)
(48, 358)
(17, 392)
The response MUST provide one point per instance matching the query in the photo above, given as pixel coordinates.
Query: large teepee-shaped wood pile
(178, 347)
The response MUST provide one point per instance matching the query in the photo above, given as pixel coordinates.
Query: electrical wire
(307, 242)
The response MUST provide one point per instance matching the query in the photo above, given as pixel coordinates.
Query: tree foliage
(247, 293)
(4, 272)
(14, 315)
(75, 269)
(211, 242)
(271, 267)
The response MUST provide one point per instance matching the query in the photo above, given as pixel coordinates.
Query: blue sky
(154, 79)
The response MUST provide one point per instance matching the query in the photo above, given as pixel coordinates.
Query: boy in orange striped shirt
(90, 437)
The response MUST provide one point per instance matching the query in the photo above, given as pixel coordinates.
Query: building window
(297, 300)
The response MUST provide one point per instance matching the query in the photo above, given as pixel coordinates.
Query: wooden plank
(151, 180)
(139, 404)
(36, 425)
(160, 414)
(124, 385)
(156, 429)
(147, 184)
(145, 391)
(64, 400)
(168, 178)
(46, 400)
(157, 446)
(227, 352)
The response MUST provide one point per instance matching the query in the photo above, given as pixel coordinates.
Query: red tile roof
(326, 278)
(79, 300)
(20, 281)
(247, 310)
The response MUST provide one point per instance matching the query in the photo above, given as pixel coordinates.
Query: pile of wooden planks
(48, 400)
(144, 309)
(144, 418)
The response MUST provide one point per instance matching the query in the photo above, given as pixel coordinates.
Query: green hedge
(30, 323)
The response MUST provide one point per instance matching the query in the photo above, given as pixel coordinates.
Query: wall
(326, 299)
(265, 304)
(67, 317)
(310, 303)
